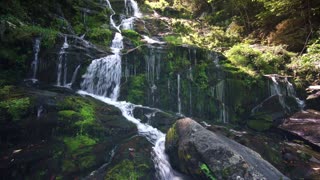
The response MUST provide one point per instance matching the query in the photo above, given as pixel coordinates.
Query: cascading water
(74, 76)
(103, 76)
(178, 94)
(102, 82)
(35, 62)
(219, 93)
(62, 57)
(281, 88)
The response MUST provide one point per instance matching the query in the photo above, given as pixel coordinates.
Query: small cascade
(132, 8)
(219, 94)
(178, 94)
(153, 135)
(74, 76)
(62, 59)
(35, 62)
(133, 11)
(292, 93)
(282, 88)
(113, 24)
(39, 111)
(275, 89)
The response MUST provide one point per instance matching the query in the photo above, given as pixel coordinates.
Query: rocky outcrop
(205, 155)
(313, 99)
(305, 124)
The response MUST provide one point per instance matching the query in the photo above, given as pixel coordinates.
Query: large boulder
(203, 154)
(305, 124)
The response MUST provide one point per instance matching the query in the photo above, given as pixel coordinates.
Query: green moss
(86, 162)
(48, 35)
(80, 141)
(136, 90)
(134, 36)
(173, 39)
(78, 106)
(16, 107)
(100, 34)
(125, 170)
(205, 169)
(68, 165)
(172, 134)
(260, 124)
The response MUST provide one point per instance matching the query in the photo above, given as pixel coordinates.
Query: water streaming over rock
(62, 59)
(35, 62)
(178, 94)
(102, 82)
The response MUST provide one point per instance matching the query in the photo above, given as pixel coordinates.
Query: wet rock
(305, 124)
(313, 99)
(205, 155)
(156, 118)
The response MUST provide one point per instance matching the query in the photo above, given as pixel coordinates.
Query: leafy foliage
(16, 107)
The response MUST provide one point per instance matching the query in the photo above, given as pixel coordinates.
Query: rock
(313, 99)
(305, 124)
(205, 155)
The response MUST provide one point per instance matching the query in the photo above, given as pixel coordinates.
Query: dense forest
(104, 89)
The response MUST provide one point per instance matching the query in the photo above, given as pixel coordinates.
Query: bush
(16, 107)
(259, 60)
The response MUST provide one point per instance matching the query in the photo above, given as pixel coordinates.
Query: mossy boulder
(205, 155)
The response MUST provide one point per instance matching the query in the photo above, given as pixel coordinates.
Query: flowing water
(102, 82)
(62, 60)
(35, 62)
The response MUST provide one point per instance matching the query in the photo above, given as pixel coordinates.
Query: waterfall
(178, 94)
(292, 93)
(74, 76)
(35, 62)
(113, 24)
(102, 82)
(39, 111)
(275, 89)
(282, 88)
(62, 56)
(132, 8)
(220, 96)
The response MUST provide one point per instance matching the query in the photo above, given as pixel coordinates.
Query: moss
(67, 114)
(100, 34)
(87, 161)
(16, 107)
(172, 134)
(73, 105)
(68, 166)
(205, 169)
(80, 141)
(126, 170)
(28, 31)
(136, 90)
(173, 39)
(260, 125)
(134, 36)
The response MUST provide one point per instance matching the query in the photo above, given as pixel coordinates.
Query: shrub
(16, 107)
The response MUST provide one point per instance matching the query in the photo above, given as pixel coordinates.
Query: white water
(153, 135)
(74, 76)
(39, 111)
(102, 81)
(35, 62)
(62, 57)
(219, 94)
(151, 41)
(178, 94)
